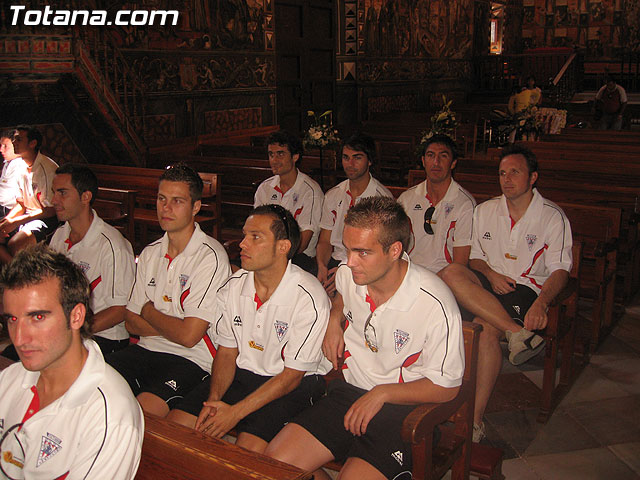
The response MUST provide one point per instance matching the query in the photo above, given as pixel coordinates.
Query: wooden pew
(116, 207)
(145, 182)
(172, 451)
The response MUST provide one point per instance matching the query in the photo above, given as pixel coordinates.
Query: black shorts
(516, 303)
(167, 376)
(381, 446)
(267, 421)
(108, 346)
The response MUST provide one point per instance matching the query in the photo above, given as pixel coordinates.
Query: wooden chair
(560, 334)
(454, 449)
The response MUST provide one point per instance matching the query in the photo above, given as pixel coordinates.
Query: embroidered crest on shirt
(237, 321)
(531, 240)
(49, 446)
(417, 207)
(447, 208)
(281, 329)
(84, 266)
(397, 456)
(183, 280)
(487, 235)
(401, 338)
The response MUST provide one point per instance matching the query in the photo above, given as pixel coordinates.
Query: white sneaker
(478, 432)
(523, 345)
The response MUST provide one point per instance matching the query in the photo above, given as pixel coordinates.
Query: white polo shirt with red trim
(528, 251)
(304, 201)
(451, 224)
(37, 185)
(285, 331)
(418, 332)
(93, 431)
(184, 286)
(106, 258)
(13, 173)
(336, 203)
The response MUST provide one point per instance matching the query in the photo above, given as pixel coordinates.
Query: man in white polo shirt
(13, 171)
(295, 191)
(272, 317)
(173, 299)
(402, 345)
(64, 413)
(104, 255)
(33, 218)
(440, 210)
(520, 260)
(358, 155)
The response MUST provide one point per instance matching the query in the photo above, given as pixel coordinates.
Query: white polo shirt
(285, 331)
(451, 223)
(13, 173)
(336, 203)
(529, 251)
(303, 200)
(36, 189)
(106, 258)
(184, 286)
(93, 431)
(418, 332)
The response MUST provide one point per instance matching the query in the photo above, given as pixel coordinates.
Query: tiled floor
(595, 431)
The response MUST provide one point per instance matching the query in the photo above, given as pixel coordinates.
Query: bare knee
(153, 404)
(452, 273)
(182, 417)
(489, 334)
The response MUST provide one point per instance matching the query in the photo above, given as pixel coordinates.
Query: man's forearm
(223, 370)
(136, 325)
(274, 388)
(108, 318)
(324, 249)
(186, 332)
(553, 286)
(416, 392)
(305, 238)
(481, 266)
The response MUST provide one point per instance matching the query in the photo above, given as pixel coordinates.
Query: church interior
(210, 88)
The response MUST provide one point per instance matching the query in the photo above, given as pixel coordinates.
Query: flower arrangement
(320, 133)
(528, 120)
(442, 122)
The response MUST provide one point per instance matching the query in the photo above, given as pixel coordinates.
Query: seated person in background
(520, 260)
(104, 255)
(529, 96)
(173, 300)
(13, 172)
(295, 191)
(402, 346)
(271, 320)
(440, 210)
(64, 413)
(611, 102)
(33, 218)
(358, 155)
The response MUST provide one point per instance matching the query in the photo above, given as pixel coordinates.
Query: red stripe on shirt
(62, 477)
(298, 212)
(95, 283)
(410, 360)
(33, 407)
(535, 259)
(183, 297)
(209, 343)
(347, 354)
(447, 255)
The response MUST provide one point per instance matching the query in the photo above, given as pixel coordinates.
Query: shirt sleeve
(310, 210)
(328, 219)
(462, 235)
(303, 351)
(260, 197)
(221, 329)
(559, 255)
(117, 270)
(476, 248)
(138, 296)
(199, 299)
(623, 94)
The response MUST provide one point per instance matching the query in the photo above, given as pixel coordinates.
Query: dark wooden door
(305, 65)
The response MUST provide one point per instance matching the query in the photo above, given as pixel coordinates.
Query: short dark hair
(441, 139)
(10, 134)
(82, 178)
(181, 172)
(362, 142)
(529, 156)
(386, 214)
(284, 226)
(37, 263)
(284, 138)
(32, 134)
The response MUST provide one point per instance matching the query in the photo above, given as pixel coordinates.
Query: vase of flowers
(443, 122)
(320, 133)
